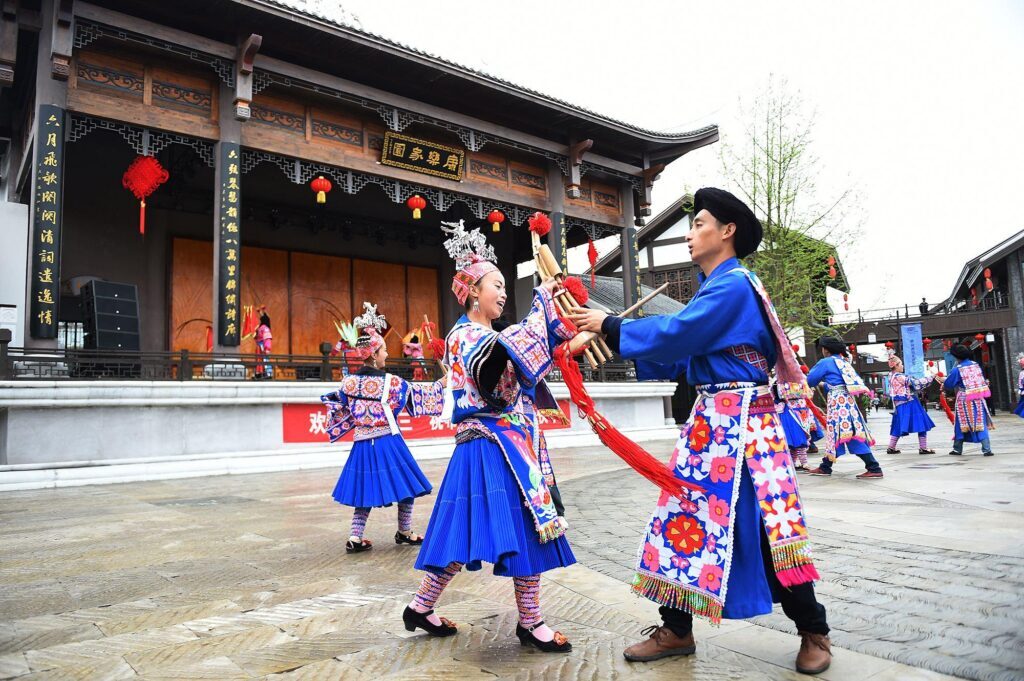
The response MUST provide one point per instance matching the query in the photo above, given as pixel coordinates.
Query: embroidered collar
(724, 266)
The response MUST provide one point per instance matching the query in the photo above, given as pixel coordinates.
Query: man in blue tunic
(744, 535)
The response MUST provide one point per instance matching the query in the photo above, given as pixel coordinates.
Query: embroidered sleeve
(339, 415)
(425, 399)
(530, 343)
(916, 384)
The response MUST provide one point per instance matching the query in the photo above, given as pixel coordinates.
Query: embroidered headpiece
(472, 255)
(894, 359)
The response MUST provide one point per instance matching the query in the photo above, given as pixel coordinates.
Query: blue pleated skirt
(380, 472)
(1019, 409)
(795, 435)
(480, 516)
(910, 417)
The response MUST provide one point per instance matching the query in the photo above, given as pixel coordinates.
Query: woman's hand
(586, 319)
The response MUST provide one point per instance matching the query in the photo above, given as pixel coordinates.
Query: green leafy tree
(775, 168)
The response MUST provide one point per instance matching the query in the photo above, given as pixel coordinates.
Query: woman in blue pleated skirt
(380, 470)
(908, 415)
(1019, 409)
(494, 505)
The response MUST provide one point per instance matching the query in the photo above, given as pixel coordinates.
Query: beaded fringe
(678, 596)
(793, 564)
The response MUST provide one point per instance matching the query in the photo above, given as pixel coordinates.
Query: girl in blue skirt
(494, 504)
(908, 415)
(380, 470)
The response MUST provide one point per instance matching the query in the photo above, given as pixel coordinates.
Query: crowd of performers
(729, 545)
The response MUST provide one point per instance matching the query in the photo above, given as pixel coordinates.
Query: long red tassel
(142, 217)
(627, 450)
(945, 407)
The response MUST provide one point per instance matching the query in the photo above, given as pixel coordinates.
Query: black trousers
(798, 602)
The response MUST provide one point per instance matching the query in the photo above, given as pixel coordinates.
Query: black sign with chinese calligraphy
(422, 157)
(229, 281)
(46, 220)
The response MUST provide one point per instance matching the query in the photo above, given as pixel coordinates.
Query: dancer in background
(1019, 409)
(264, 341)
(972, 417)
(846, 430)
(908, 415)
(380, 470)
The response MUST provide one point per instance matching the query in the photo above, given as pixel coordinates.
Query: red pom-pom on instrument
(576, 289)
(437, 348)
(540, 224)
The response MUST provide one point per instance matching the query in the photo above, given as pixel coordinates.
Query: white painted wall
(13, 263)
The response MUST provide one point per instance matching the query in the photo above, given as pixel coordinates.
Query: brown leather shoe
(869, 475)
(815, 653)
(662, 643)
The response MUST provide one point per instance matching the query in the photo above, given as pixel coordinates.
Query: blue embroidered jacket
(370, 400)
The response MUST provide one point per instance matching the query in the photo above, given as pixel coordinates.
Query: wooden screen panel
(382, 284)
(191, 294)
(321, 295)
(265, 282)
(423, 298)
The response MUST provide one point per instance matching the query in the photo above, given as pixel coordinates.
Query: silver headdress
(466, 247)
(370, 318)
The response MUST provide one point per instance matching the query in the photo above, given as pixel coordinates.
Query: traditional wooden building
(245, 104)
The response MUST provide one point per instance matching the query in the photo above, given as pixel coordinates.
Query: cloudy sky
(918, 104)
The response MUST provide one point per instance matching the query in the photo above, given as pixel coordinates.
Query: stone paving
(239, 577)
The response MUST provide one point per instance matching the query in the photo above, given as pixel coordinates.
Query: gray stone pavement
(924, 567)
(246, 577)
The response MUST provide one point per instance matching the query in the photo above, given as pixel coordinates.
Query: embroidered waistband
(838, 389)
(761, 402)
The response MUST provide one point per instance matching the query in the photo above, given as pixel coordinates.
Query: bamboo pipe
(563, 309)
(584, 336)
(544, 254)
(545, 273)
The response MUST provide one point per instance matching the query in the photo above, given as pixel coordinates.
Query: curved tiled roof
(487, 78)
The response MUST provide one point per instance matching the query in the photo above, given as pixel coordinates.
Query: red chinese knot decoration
(416, 204)
(321, 185)
(143, 177)
(495, 217)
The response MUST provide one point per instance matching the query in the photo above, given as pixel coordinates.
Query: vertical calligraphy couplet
(46, 222)
(229, 281)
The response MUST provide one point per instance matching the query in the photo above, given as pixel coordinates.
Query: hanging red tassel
(592, 257)
(627, 450)
(945, 406)
(209, 339)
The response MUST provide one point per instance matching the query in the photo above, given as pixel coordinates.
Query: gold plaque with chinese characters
(421, 156)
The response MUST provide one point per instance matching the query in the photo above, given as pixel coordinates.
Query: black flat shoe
(956, 453)
(988, 453)
(559, 644)
(892, 451)
(926, 451)
(406, 539)
(363, 545)
(415, 619)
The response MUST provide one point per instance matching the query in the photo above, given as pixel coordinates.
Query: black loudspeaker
(110, 316)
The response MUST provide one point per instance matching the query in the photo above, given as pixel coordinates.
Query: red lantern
(930, 364)
(889, 345)
(495, 217)
(979, 337)
(831, 260)
(974, 297)
(927, 343)
(142, 178)
(831, 272)
(416, 204)
(846, 302)
(321, 185)
(987, 273)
